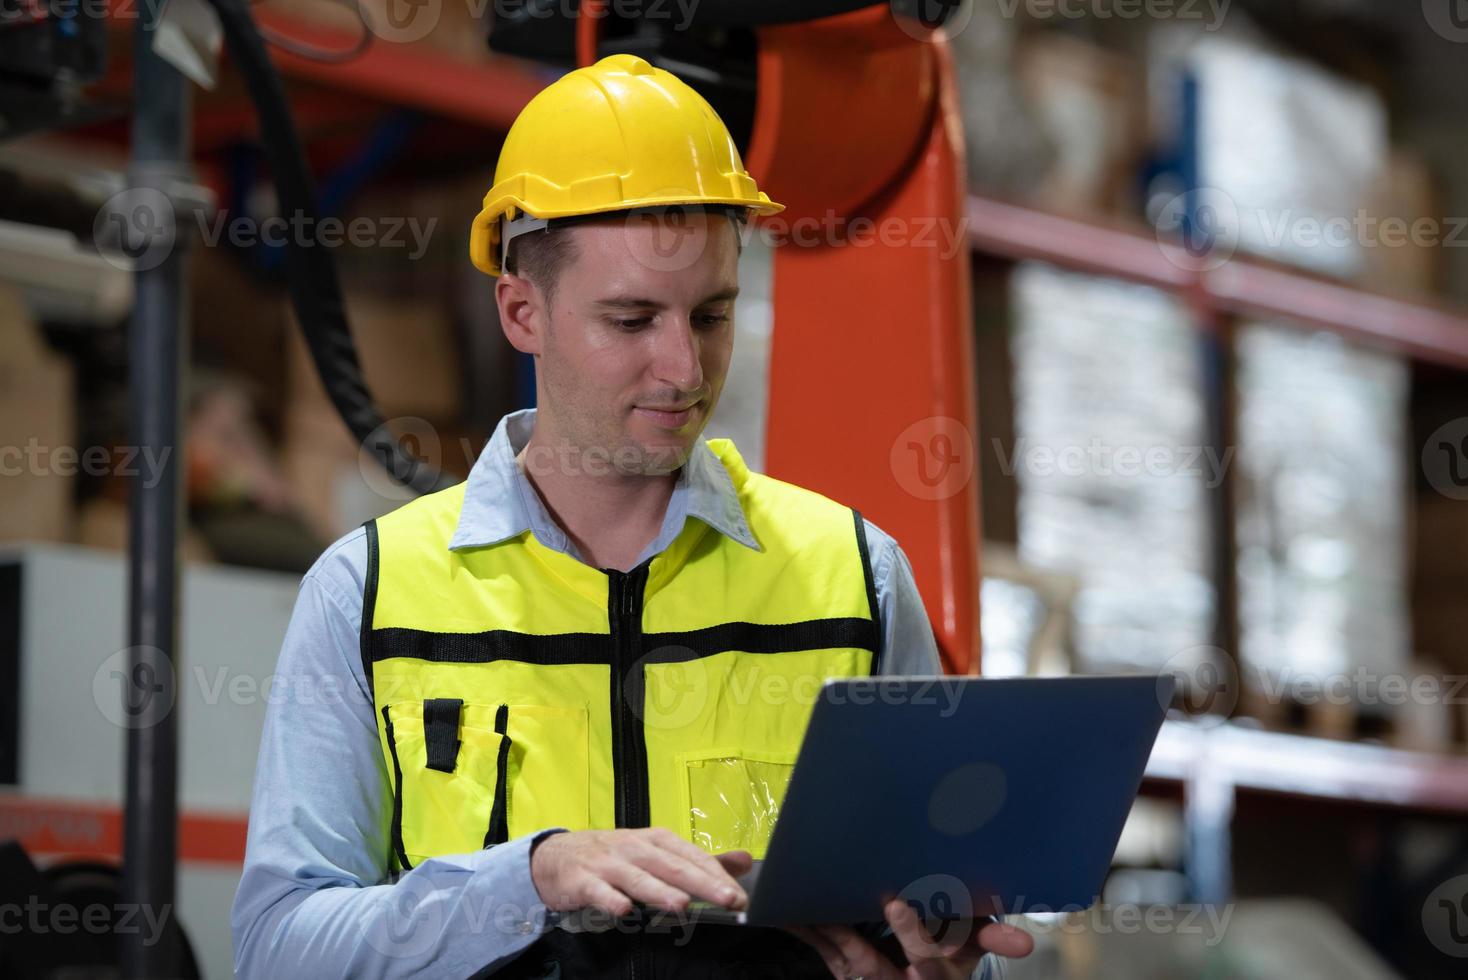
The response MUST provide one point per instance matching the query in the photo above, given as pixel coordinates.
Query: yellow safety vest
(518, 688)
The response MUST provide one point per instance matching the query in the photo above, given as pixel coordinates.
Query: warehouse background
(1219, 257)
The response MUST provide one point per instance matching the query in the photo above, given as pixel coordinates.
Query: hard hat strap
(510, 230)
(521, 224)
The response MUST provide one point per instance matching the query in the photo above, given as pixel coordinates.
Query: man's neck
(609, 516)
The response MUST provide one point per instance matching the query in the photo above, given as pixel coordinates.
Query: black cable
(311, 52)
(311, 275)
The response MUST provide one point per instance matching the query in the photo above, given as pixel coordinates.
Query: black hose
(311, 276)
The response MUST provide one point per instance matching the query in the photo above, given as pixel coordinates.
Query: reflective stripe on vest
(518, 688)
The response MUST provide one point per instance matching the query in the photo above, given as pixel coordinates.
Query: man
(576, 682)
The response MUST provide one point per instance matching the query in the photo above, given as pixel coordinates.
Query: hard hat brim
(484, 236)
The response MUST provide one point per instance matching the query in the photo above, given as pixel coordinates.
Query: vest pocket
(731, 797)
(473, 775)
(448, 761)
(549, 768)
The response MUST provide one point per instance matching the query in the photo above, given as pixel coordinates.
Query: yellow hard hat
(616, 135)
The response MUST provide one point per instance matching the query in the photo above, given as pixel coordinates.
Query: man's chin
(662, 459)
(661, 456)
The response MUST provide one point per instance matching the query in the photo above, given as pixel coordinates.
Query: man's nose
(676, 361)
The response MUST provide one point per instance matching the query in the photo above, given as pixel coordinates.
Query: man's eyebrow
(638, 303)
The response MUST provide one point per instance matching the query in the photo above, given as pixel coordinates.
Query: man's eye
(635, 323)
(712, 319)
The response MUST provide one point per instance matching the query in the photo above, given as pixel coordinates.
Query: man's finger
(1006, 940)
(602, 895)
(926, 956)
(735, 862)
(696, 870)
(911, 932)
(835, 961)
(689, 876)
(862, 958)
(642, 885)
(715, 866)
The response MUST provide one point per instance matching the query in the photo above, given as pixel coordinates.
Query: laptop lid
(967, 796)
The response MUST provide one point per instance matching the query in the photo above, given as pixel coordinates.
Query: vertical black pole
(160, 156)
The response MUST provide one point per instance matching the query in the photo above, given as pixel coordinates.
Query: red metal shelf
(487, 93)
(1425, 331)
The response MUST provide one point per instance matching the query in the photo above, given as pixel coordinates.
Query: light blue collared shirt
(314, 900)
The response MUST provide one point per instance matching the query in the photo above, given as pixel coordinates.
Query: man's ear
(522, 312)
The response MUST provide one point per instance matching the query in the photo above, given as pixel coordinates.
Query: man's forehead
(605, 227)
(624, 264)
(636, 301)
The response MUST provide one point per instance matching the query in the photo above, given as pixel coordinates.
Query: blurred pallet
(1424, 711)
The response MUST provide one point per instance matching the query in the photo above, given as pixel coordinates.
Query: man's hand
(849, 955)
(612, 869)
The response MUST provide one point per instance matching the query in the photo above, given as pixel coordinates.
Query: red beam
(1427, 333)
(489, 93)
(1239, 285)
(1013, 232)
(77, 829)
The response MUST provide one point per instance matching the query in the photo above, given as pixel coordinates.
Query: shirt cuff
(513, 884)
(505, 889)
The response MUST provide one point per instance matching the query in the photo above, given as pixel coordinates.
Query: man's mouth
(669, 416)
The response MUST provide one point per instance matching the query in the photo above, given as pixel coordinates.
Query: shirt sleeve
(313, 900)
(908, 644)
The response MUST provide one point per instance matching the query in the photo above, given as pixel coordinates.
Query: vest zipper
(629, 748)
(624, 608)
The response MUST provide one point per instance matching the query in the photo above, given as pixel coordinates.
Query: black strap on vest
(369, 601)
(397, 796)
(441, 732)
(499, 820)
(872, 605)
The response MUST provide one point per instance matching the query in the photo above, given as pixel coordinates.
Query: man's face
(640, 331)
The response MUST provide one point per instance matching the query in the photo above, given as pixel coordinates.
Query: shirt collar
(500, 503)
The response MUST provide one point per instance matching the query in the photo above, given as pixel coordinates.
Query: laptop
(966, 796)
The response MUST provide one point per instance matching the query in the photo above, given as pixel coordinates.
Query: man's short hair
(541, 256)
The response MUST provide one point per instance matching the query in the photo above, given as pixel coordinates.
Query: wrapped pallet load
(1111, 462)
(1322, 520)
